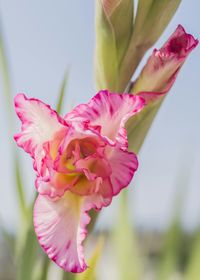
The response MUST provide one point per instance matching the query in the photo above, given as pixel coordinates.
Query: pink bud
(161, 69)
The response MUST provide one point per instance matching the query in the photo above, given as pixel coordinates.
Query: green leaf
(125, 244)
(20, 190)
(122, 22)
(169, 261)
(8, 238)
(193, 267)
(139, 125)
(171, 252)
(151, 20)
(5, 73)
(26, 259)
(41, 268)
(106, 61)
(68, 276)
(61, 96)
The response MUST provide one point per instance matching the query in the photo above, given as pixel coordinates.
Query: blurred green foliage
(173, 254)
(125, 243)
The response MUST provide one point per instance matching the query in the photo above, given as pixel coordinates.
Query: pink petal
(123, 165)
(106, 114)
(94, 166)
(56, 185)
(39, 124)
(61, 227)
(79, 162)
(180, 43)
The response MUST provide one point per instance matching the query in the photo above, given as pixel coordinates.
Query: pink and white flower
(81, 162)
(162, 67)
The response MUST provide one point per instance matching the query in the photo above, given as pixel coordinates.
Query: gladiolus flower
(161, 69)
(81, 162)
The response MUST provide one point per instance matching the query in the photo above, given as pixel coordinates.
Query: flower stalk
(155, 81)
(121, 44)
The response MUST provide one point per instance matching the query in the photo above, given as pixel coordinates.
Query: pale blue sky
(43, 39)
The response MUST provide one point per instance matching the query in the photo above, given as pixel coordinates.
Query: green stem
(68, 276)
(62, 93)
(129, 64)
(45, 268)
(20, 189)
